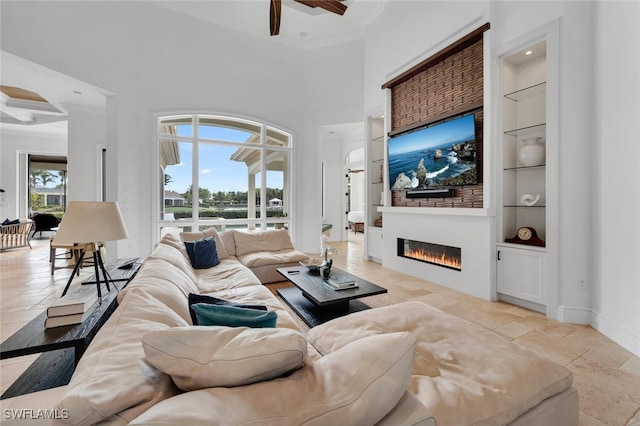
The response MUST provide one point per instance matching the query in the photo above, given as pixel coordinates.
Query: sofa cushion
(463, 373)
(211, 232)
(112, 378)
(358, 385)
(177, 258)
(230, 273)
(259, 295)
(232, 316)
(271, 240)
(280, 257)
(202, 253)
(229, 243)
(203, 357)
(165, 282)
(203, 298)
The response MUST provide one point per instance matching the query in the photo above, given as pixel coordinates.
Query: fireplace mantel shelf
(445, 211)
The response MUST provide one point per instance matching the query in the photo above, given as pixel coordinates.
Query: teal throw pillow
(202, 253)
(232, 316)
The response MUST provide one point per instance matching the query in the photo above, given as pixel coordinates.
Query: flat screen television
(439, 155)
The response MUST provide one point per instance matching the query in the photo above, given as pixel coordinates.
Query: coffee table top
(321, 293)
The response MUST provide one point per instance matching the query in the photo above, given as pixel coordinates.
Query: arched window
(222, 172)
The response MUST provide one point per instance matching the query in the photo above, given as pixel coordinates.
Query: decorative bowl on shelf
(314, 264)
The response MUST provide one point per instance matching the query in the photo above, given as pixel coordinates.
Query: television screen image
(443, 154)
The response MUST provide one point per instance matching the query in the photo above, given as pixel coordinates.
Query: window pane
(277, 188)
(178, 125)
(177, 170)
(225, 173)
(277, 138)
(227, 130)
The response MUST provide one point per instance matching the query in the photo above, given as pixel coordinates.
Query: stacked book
(71, 309)
(341, 282)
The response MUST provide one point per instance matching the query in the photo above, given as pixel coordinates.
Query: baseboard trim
(617, 333)
(607, 327)
(574, 315)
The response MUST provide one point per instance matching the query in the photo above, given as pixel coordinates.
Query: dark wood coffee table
(316, 302)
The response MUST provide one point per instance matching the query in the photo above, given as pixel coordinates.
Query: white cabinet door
(374, 243)
(522, 273)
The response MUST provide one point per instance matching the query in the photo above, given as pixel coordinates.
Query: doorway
(47, 184)
(355, 190)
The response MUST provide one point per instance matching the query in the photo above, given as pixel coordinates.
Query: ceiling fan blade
(334, 6)
(274, 16)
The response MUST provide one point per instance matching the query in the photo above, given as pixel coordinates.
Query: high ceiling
(301, 26)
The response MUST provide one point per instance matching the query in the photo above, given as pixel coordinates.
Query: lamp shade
(91, 222)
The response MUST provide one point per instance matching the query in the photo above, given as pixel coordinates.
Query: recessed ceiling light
(528, 52)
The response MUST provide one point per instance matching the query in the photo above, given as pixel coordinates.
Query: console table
(61, 347)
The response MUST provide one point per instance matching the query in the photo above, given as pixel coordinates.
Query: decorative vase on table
(532, 152)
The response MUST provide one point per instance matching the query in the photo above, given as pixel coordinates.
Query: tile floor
(606, 376)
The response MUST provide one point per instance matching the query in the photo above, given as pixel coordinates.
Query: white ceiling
(58, 89)
(300, 26)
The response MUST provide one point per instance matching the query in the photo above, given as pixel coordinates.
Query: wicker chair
(16, 235)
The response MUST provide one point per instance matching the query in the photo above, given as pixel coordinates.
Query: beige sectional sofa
(405, 364)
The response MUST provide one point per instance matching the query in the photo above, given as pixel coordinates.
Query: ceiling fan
(334, 6)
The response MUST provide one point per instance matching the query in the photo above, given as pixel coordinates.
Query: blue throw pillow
(202, 253)
(232, 316)
(203, 298)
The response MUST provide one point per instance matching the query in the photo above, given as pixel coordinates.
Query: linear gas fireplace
(436, 254)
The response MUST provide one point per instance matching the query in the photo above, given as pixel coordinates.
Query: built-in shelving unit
(523, 184)
(375, 175)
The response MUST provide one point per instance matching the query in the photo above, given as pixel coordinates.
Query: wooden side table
(61, 347)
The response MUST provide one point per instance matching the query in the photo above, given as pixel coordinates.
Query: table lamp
(86, 224)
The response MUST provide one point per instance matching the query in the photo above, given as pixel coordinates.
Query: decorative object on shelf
(529, 199)
(526, 235)
(532, 153)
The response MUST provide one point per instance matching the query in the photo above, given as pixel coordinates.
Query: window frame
(195, 223)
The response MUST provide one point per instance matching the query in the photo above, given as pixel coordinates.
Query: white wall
(14, 141)
(332, 96)
(615, 247)
(87, 132)
(331, 153)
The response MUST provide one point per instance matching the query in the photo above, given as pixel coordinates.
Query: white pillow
(271, 240)
(357, 384)
(206, 356)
